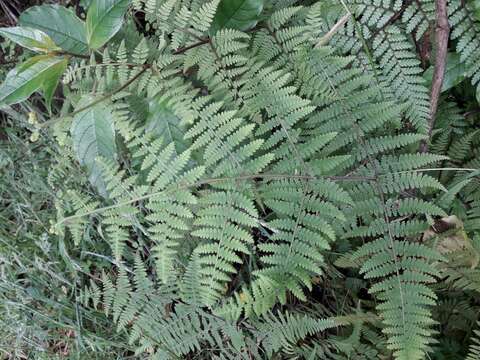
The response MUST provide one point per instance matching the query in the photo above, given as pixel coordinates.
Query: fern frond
(418, 17)
(117, 220)
(401, 69)
(203, 17)
(474, 348)
(81, 204)
(466, 30)
(222, 64)
(404, 269)
(122, 58)
(282, 332)
(293, 254)
(375, 14)
(224, 221)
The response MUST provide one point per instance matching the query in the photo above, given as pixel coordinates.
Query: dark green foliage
(240, 180)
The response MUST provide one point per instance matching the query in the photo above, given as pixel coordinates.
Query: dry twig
(442, 31)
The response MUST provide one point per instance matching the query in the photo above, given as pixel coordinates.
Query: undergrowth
(244, 179)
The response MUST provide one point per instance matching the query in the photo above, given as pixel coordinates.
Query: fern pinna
(249, 166)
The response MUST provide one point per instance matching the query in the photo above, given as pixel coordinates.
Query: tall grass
(41, 314)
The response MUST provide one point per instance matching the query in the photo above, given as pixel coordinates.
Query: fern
(309, 135)
(465, 31)
(263, 183)
(403, 291)
(474, 349)
(135, 304)
(285, 331)
(376, 13)
(224, 221)
(419, 17)
(294, 252)
(401, 69)
(221, 64)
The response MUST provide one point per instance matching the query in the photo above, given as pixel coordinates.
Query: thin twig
(326, 38)
(363, 41)
(394, 18)
(82, 56)
(176, 52)
(194, 45)
(202, 41)
(438, 169)
(442, 31)
(93, 103)
(471, 112)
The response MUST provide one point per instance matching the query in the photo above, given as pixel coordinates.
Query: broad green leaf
(454, 72)
(93, 136)
(52, 78)
(39, 72)
(104, 19)
(237, 14)
(30, 61)
(162, 121)
(60, 23)
(30, 38)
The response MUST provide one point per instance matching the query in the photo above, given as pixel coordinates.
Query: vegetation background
(348, 227)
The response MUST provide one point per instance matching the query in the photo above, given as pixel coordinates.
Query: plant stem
(186, 48)
(93, 103)
(82, 56)
(217, 180)
(326, 38)
(442, 31)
